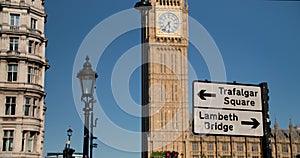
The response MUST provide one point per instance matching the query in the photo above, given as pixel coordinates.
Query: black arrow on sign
(202, 94)
(254, 123)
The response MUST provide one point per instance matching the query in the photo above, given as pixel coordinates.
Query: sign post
(232, 109)
(266, 143)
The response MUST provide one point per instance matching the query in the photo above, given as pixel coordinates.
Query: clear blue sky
(259, 42)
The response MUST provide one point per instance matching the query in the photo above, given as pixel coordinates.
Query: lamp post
(87, 78)
(69, 133)
(93, 124)
(144, 6)
(68, 151)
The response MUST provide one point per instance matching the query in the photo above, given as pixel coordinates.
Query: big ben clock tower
(164, 75)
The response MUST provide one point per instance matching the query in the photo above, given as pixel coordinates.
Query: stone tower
(164, 76)
(22, 74)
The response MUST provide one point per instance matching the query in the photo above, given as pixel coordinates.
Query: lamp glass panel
(87, 86)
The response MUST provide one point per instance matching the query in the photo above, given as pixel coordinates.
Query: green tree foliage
(158, 154)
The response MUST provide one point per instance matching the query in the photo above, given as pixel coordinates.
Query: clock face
(168, 22)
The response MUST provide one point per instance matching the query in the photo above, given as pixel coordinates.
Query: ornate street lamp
(69, 133)
(87, 78)
(68, 151)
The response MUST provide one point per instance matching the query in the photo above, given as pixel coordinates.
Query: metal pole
(144, 6)
(246, 147)
(145, 120)
(185, 152)
(92, 130)
(86, 129)
(266, 123)
(69, 143)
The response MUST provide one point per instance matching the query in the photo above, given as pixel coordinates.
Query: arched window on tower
(185, 4)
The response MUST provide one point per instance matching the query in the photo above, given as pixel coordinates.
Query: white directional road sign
(227, 109)
(227, 96)
(227, 122)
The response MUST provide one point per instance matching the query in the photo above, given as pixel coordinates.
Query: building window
(33, 47)
(175, 118)
(30, 47)
(240, 147)
(163, 92)
(240, 157)
(174, 92)
(34, 111)
(163, 119)
(284, 148)
(30, 107)
(14, 20)
(163, 63)
(27, 106)
(33, 23)
(32, 75)
(8, 139)
(195, 146)
(224, 147)
(255, 147)
(255, 157)
(29, 141)
(210, 147)
(13, 43)
(10, 106)
(12, 72)
(173, 63)
(298, 149)
(23, 140)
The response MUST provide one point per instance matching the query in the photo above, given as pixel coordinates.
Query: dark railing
(14, 28)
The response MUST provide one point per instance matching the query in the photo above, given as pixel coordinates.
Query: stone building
(22, 74)
(285, 143)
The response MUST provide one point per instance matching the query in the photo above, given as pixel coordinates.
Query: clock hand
(167, 25)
